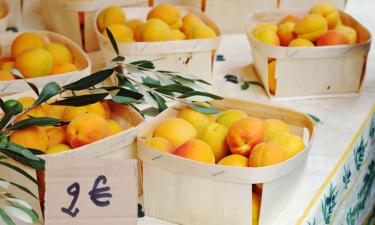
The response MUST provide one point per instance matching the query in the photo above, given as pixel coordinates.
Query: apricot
(286, 33)
(63, 68)
(6, 59)
(234, 160)
(350, 33)
(196, 150)
(7, 66)
(272, 76)
(25, 41)
(178, 35)
(301, 42)
(56, 135)
(34, 112)
(6, 75)
(273, 127)
(34, 63)
(60, 53)
(32, 137)
(292, 143)
(57, 149)
(189, 21)
(71, 112)
(114, 127)
(165, 12)
(328, 11)
(107, 110)
(137, 26)
(255, 205)
(197, 119)
(289, 18)
(160, 144)
(311, 27)
(176, 25)
(268, 36)
(266, 154)
(214, 134)
(244, 134)
(27, 101)
(200, 31)
(109, 16)
(85, 129)
(156, 30)
(54, 111)
(332, 37)
(121, 33)
(176, 130)
(263, 26)
(230, 116)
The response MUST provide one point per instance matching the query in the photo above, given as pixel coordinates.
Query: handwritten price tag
(90, 191)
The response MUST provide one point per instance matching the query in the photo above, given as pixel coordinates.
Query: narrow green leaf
(129, 93)
(89, 81)
(18, 149)
(245, 85)
(314, 118)
(4, 216)
(113, 41)
(204, 109)
(35, 89)
(36, 151)
(161, 102)
(22, 188)
(151, 82)
(36, 121)
(118, 58)
(35, 164)
(175, 88)
(125, 100)
(81, 100)
(144, 64)
(2, 105)
(203, 82)
(33, 215)
(12, 111)
(200, 93)
(49, 90)
(150, 112)
(19, 170)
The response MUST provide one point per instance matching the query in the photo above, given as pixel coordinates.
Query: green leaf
(118, 58)
(49, 90)
(81, 100)
(314, 118)
(151, 82)
(144, 64)
(203, 82)
(2, 105)
(35, 89)
(13, 150)
(19, 170)
(39, 165)
(4, 216)
(160, 101)
(89, 81)
(150, 111)
(200, 93)
(125, 100)
(36, 121)
(12, 111)
(129, 93)
(204, 109)
(113, 41)
(33, 215)
(174, 88)
(245, 85)
(22, 188)
(36, 151)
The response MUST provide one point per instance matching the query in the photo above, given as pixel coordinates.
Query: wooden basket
(119, 146)
(81, 60)
(190, 192)
(311, 72)
(4, 4)
(63, 16)
(230, 16)
(189, 56)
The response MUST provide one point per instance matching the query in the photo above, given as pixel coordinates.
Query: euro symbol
(99, 193)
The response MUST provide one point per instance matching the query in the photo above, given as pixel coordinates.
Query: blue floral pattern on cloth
(349, 199)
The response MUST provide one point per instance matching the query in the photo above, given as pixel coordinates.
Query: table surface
(341, 117)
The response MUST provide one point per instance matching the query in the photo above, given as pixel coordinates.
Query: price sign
(89, 191)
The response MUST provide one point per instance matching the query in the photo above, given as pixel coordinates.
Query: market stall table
(336, 181)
